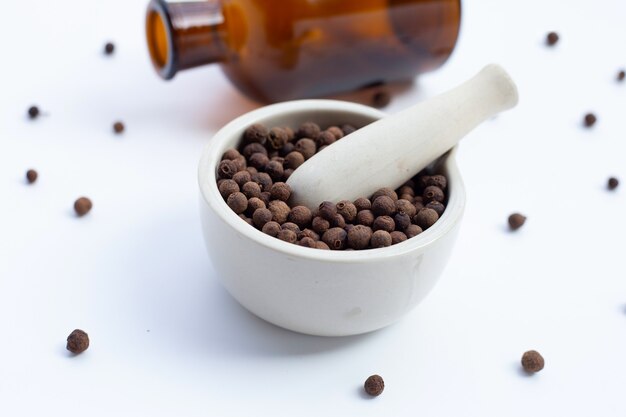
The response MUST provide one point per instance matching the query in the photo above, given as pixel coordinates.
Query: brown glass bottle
(275, 50)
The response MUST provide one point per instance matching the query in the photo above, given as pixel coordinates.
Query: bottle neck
(184, 34)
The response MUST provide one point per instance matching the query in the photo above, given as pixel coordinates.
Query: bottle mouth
(159, 36)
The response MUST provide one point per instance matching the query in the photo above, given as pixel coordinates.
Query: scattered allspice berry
(552, 38)
(33, 112)
(374, 385)
(612, 183)
(109, 48)
(82, 206)
(621, 75)
(118, 127)
(381, 99)
(516, 221)
(590, 120)
(77, 341)
(532, 361)
(31, 176)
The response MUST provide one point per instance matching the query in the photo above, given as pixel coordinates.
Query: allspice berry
(258, 160)
(380, 239)
(621, 75)
(338, 221)
(275, 170)
(325, 138)
(277, 138)
(251, 148)
(308, 130)
(590, 120)
(320, 225)
(82, 206)
(226, 169)
(552, 38)
(516, 221)
(397, 237)
(300, 215)
(262, 216)
(402, 221)
(384, 223)
(271, 228)
(77, 341)
(405, 206)
(290, 226)
(425, 218)
(280, 210)
(612, 183)
(374, 385)
(321, 245)
(109, 48)
(33, 112)
(327, 210)
(362, 203)
(256, 133)
(412, 231)
(532, 361)
(254, 204)
(335, 131)
(293, 160)
(307, 242)
(264, 180)
(287, 235)
(406, 190)
(437, 206)
(280, 191)
(231, 154)
(238, 202)
(347, 129)
(309, 233)
(359, 237)
(335, 238)
(433, 193)
(118, 128)
(383, 206)
(242, 177)
(384, 191)
(228, 187)
(31, 176)
(251, 189)
(306, 147)
(347, 210)
(365, 217)
(437, 180)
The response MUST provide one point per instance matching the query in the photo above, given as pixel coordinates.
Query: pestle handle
(388, 152)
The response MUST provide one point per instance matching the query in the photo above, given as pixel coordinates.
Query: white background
(166, 339)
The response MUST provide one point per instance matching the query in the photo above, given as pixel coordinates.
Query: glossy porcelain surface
(315, 291)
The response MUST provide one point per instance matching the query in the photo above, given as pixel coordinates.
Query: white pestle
(390, 151)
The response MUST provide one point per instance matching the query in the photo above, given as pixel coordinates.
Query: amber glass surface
(275, 50)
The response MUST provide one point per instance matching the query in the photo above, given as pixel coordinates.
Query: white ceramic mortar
(313, 291)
